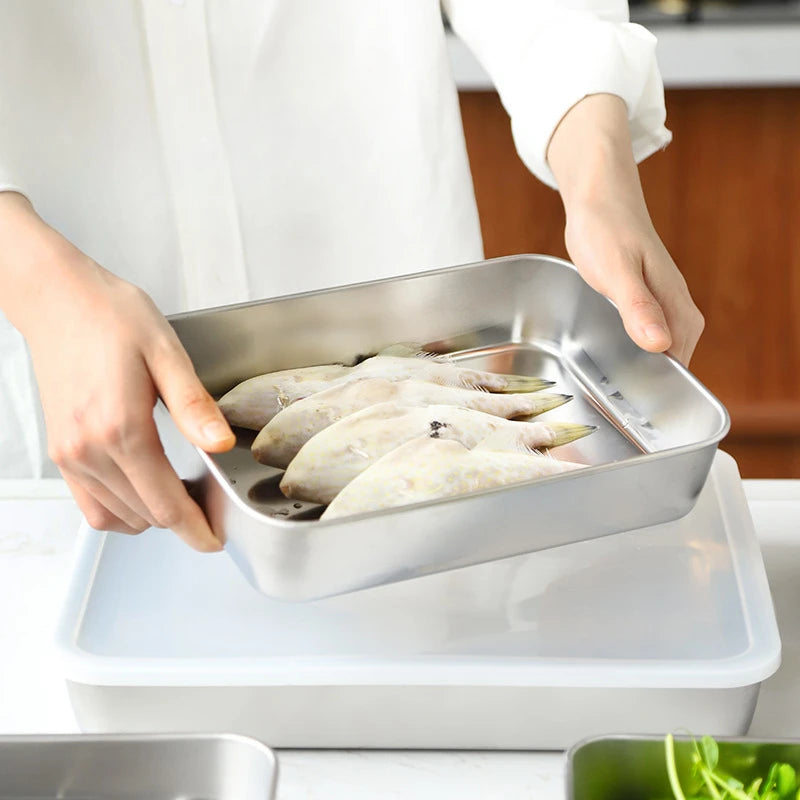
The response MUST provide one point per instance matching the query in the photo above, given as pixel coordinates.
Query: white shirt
(213, 151)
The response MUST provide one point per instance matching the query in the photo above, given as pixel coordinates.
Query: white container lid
(685, 604)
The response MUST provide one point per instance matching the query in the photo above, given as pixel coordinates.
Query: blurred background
(724, 196)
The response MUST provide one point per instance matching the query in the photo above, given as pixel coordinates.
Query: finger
(106, 483)
(642, 315)
(684, 346)
(155, 481)
(681, 348)
(681, 355)
(683, 318)
(191, 406)
(691, 326)
(86, 459)
(97, 515)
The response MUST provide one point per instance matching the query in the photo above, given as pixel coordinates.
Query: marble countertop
(37, 532)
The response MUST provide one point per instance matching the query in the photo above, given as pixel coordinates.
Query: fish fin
(560, 399)
(412, 350)
(524, 383)
(545, 402)
(566, 432)
(463, 382)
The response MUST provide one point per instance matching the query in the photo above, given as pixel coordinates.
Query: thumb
(191, 406)
(642, 315)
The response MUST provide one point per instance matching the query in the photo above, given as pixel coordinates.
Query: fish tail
(541, 403)
(505, 441)
(566, 432)
(523, 383)
(539, 436)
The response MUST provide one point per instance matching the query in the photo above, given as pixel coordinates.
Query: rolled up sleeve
(544, 56)
(8, 182)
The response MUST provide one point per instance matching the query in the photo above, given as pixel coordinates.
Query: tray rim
(758, 661)
(87, 739)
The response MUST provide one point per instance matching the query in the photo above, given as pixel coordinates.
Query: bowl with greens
(683, 767)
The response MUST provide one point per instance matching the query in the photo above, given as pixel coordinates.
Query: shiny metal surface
(124, 767)
(658, 426)
(617, 767)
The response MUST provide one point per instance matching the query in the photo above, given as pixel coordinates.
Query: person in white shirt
(164, 155)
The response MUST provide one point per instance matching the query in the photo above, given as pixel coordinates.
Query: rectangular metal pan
(658, 426)
(614, 767)
(123, 767)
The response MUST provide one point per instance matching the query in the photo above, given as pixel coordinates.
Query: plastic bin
(666, 627)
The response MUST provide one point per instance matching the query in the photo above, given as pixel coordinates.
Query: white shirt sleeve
(546, 55)
(7, 182)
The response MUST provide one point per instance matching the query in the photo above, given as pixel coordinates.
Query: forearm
(34, 260)
(103, 354)
(591, 157)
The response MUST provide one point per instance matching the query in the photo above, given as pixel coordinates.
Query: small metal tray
(658, 427)
(619, 767)
(136, 766)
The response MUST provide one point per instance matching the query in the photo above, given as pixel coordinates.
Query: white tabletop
(37, 530)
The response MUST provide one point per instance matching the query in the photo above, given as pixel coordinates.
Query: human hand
(609, 234)
(619, 254)
(103, 354)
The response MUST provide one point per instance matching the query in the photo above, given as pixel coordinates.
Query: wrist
(33, 257)
(591, 156)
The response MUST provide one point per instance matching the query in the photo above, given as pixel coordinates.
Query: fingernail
(216, 431)
(655, 332)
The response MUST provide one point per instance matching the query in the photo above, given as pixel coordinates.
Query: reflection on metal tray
(124, 767)
(658, 426)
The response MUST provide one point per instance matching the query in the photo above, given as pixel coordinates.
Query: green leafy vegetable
(780, 782)
(710, 752)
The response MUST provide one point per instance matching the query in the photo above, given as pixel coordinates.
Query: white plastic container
(670, 626)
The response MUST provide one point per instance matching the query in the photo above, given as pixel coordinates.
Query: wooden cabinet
(725, 198)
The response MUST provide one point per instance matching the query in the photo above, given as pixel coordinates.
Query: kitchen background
(724, 196)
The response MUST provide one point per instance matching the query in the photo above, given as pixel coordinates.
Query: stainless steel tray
(614, 767)
(658, 426)
(124, 767)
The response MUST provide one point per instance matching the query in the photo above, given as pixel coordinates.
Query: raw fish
(254, 402)
(328, 461)
(427, 468)
(282, 437)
